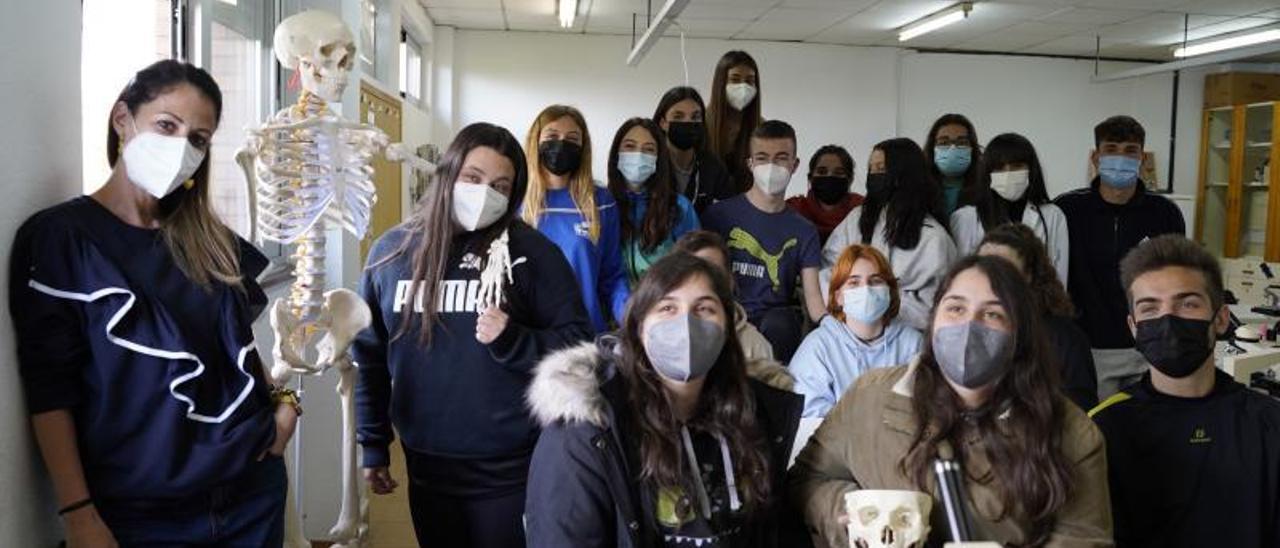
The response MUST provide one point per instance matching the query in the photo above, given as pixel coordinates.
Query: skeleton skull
(888, 519)
(320, 47)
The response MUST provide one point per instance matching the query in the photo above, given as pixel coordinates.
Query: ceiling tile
(1093, 16)
(541, 7)
(710, 27)
(1010, 10)
(596, 20)
(1228, 7)
(469, 4)
(1144, 5)
(486, 19)
(788, 24)
(748, 10)
(838, 6)
(878, 24)
(1016, 37)
(1147, 28)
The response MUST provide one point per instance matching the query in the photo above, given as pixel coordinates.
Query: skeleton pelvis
(327, 335)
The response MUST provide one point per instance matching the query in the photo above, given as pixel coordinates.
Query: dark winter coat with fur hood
(583, 486)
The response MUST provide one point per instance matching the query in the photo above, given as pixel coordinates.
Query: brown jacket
(862, 440)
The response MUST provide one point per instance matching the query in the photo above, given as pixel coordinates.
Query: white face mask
(159, 163)
(739, 95)
(1010, 185)
(771, 178)
(477, 206)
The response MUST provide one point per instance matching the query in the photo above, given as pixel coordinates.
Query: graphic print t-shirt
(679, 514)
(767, 251)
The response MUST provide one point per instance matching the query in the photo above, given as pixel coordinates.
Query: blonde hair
(582, 188)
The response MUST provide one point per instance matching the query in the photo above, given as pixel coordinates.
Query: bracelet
(75, 506)
(281, 395)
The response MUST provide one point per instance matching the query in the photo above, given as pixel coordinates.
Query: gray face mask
(684, 347)
(971, 354)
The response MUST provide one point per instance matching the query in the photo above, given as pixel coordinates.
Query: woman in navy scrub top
(133, 309)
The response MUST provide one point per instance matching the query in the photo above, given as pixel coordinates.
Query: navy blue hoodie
(458, 398)
(160, 374)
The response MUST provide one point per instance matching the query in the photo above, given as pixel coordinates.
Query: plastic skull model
(320, 47)
(887, 519)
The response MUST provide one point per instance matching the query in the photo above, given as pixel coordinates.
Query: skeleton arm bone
(399, 152)
(245, 157)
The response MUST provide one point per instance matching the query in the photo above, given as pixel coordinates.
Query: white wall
(40, 149)
(832, 94)
(1049, 101)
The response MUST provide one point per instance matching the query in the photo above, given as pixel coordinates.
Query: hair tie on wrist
(75, 506)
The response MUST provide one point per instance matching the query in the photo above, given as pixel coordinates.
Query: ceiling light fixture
(568, 11)
(1228, 42)
(666, 14)
(935, 21)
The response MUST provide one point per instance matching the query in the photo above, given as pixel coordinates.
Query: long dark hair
(662, 213)
(432, 229)
(1050, 295)
(202, 247)
(1020, 427)
(968, 189)
(1006, 149)
(913, 198)
(732, 153)
(726, 406)
(676, 95)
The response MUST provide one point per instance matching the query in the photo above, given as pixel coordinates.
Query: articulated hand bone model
(309, 168)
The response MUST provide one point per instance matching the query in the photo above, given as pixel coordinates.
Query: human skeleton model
(309, 170)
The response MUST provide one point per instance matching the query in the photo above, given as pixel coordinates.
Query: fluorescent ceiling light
(568, 10)
(1230, 42)
(935, 21)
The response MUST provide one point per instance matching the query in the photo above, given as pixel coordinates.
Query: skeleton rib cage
(321, 170)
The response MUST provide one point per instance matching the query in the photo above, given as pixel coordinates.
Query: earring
(187, 184)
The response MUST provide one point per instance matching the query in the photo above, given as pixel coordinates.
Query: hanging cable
(684, 59)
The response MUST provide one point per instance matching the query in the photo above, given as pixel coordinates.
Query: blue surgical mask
(1118, 171)
(637, 167)
(952, 161)
(867, 303)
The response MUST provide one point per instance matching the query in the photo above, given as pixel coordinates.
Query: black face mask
(684, 135)
(1175, 346)
(829, 190)
(560, 157)
(877, 184)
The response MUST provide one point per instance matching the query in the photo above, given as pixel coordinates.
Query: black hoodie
(1100, 234)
